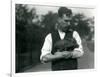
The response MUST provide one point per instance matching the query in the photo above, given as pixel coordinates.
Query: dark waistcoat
(62, 64)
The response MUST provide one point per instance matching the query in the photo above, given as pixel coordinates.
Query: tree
(50, 20)
(27, 39)
(81, 25)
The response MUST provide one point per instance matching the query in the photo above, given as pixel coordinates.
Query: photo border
(50, 73)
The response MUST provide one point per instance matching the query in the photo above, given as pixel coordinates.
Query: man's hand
(59, 54)
(67, 54)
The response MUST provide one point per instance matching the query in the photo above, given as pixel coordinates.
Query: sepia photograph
(53, 38)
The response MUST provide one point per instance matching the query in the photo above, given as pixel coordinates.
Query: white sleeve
(47, 46)
(78, 52)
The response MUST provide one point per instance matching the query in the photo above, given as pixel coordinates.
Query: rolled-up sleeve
(47, 46)
(78, 52)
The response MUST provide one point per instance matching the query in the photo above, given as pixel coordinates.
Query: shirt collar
(61, 32)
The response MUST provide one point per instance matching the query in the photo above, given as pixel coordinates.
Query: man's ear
(64, 15)
(59, 20)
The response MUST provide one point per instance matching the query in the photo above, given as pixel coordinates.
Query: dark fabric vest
(62, 64)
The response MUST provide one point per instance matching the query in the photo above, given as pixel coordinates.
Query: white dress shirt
(47, 46)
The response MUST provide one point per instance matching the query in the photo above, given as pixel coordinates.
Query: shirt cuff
(77, 53)
(42, 55)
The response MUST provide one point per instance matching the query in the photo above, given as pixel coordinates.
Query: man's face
(64, 22)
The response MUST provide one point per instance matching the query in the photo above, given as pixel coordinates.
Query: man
(62, 59)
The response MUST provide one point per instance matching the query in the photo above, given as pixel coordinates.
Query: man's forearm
(51, 57)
